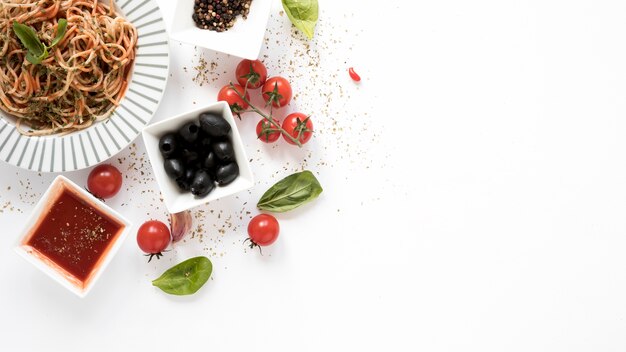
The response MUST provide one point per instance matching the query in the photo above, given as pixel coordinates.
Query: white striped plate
(101, 141)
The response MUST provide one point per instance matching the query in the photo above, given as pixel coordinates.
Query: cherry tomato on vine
(251, 72)
(268, 132)
(263, 230)
(104, 181)
(299, 126)
(153, 237)
(233, 99)
(277, 91)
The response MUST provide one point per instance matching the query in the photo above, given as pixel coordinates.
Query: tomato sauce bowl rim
(46, 265)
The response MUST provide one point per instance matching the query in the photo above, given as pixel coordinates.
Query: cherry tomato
(229, 95)
(104, 181)
(251, 72)
(266, 131)
(299, 126)
(263, 230)
(153, 237)
(355, 76)
(278, 91)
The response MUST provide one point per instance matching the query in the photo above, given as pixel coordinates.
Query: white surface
(244, 39)
(174, 199)
(59, 184)
(475, 188)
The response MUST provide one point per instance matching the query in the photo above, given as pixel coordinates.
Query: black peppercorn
(219, 15)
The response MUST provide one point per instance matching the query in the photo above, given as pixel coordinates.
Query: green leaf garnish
(61, 29)
(185, 278)
(37, 51)
(303, 14)
(30, 40)
(291, 192)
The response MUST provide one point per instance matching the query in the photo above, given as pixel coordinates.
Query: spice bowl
(72, 236)
(244, 39)
(175, 199)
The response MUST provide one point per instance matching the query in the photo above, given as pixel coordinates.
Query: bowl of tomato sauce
(72, 236)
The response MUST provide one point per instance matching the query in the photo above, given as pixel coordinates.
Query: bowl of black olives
(198, 157)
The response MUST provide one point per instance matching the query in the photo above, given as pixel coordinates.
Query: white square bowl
(176, 200)
(46, 265)
(244, 39)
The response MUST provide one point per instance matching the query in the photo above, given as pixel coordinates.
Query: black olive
(202, 184)
(174, 168)
(168, 145)
(197, 165)
(210, 161)
(201, 137)
(201, 133)
(213, 125)
(184, 182)
(212, 172)
(224, 150)
(189, 132)
(189, 156)
(226, 174)
(204, 144)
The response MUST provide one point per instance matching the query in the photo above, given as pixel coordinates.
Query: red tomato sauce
(74, 235)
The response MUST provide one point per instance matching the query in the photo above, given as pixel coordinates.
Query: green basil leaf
(303, 14)
(185, 278)
(291, 192)
(36, 60)
(32, 58)
(29, 39)
(61, 28)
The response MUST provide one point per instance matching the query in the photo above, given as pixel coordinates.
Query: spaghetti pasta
(85, 75)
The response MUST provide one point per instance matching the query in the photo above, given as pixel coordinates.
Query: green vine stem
(267, 117)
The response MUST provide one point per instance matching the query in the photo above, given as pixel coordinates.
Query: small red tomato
(104, 181)
(277, 91)
(355, 76)
(299, 126)
(268, 132)
(233, 99)
(153, 237)
(263, 230)
(251, 73)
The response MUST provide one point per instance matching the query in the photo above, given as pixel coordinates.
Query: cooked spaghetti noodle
(83, 78)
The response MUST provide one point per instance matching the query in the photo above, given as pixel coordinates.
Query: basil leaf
(291, 192)
(33, 59)
(29, 39)
(303, 14)
(61, 28)
(185, 278)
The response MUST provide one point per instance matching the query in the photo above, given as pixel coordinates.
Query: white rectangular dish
(176, 200)
(244, 39)
(48, 265)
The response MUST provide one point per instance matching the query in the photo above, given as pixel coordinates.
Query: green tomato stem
(264, 115)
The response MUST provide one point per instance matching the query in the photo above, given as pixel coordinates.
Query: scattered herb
(185, 278)
(303, 14)
(37, 51)
(291, 192)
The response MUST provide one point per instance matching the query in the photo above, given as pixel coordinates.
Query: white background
(475, 192)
